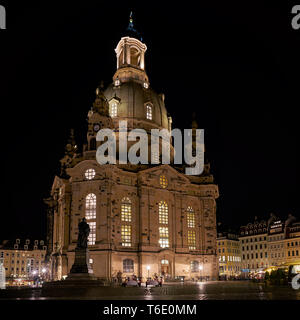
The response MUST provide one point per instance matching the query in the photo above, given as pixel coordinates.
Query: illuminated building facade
(23, 259)
(269, 243)
(144, 219)
(229, 255)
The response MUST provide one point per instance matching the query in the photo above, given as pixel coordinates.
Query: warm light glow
(90, 206)
(200, 267)
(148, 267)
(149, 112)
(44, 270)
(190, 217)
(126, 236)
(92, 235)
(90, 174)
(126, 210)
(163, 212)
(163, 181)
(192, 239)
(113, 110)
(163, 237)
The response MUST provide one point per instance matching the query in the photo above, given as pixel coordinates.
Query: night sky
(235, 65)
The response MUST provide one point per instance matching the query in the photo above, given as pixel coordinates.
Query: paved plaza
(220, 290)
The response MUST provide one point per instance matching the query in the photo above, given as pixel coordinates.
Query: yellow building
(23, 260)
(229, 255)
(292, 242)
(269, 244)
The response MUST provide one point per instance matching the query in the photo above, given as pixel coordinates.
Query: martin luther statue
(83, 234)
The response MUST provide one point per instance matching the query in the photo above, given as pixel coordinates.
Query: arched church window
(126, 236)
(149, 112)
(128, 265)
(90, 206)
(113, 110)
(92, 235)
(192, 239)
(90, 215)
(194, 266)
(163, 237)
(126, 209)
(90, 174)
(163, 212)
(163, 181)
(190, 217)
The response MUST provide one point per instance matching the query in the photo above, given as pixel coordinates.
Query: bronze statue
(83, 234)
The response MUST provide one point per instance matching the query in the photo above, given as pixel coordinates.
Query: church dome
(141, 107)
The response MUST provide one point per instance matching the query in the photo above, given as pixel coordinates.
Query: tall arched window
(90, 214)
(149, 112)
(113, 109)
(192, 239)
(126, 209)
(163, 212)
(128, 265)
(90, 206)
(190, 217)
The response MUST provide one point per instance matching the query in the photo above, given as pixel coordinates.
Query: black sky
(236, 65)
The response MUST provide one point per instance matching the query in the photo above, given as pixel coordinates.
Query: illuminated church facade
(144, 219)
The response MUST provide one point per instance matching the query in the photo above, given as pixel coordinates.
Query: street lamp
(148, 268)
(44, 270)
(200, 269)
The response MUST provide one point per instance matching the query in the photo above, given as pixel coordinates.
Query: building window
(90, 206)
(164, 262)
(194, 266)
(192, 239)
(163, 212)
(92, 235)
(126, 210)
(163, 181)
(113, 109)
(126, 236)
(128, 265)
(148, 112)
(164, 237)
(190, 217)
(90, 174)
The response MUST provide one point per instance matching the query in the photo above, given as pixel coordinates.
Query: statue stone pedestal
(81, 263)
(81, 278)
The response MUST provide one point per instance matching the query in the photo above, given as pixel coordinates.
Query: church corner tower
(144, 219)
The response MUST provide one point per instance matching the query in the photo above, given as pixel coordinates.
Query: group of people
(150, 281)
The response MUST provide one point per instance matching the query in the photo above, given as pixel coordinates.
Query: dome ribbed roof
(132, 99)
